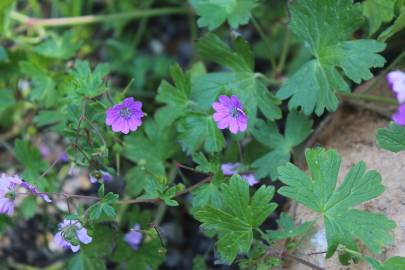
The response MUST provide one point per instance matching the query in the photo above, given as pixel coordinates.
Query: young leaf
(85, 82)
(391, 138)
(241, 81)
(176, 97)
(287, 229)
(213, 13)
(324, 29)
(103, 207)
(205, 165)
(298, 127)
(343, 224)
(239, 215)
(378, 12)
(197, 130)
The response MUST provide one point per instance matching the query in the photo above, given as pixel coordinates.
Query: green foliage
(6, 99)
(30, 157)
(239, 215)
(324, 30)
(214, 13)
(176, 97)
(159, 189)
(392, 263)
(208, 194)
(59, 47)
(86, 83)
(378, 12)
(241, 81)
(287, 229)
(298, 128)
(103, 208)
(397, 26)
(149, 256)
(391, 138)
(343, 224)
(81, 261)
(205, 165)
(197, 130)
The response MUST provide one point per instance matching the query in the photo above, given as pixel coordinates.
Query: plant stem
(91, 19)
(178, 194)
(284, 52)
(372, 98)
(261, 33)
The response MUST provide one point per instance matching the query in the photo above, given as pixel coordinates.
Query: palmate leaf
(241, 81)
(325, 28)
(397, 26)
(298, 127)
(238, 216)
(196, 131)
(287, 228)
(391, 138)
(378, 12)
(175, 96)
(59, 47)
(343, 224)
(213, 13)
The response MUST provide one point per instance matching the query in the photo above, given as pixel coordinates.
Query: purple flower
(134, 237)
(34, 190)
(399, 116)
(229, 114)
(126, 116)
(232, 168)
(103, 175)
(8, 185)
(396, 80)
(70, 234)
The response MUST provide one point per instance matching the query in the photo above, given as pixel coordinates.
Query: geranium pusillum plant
(396, 81)
(126, 116)
(8, 192)
(229, 113)
(134, 237)
(71, 233)
(229, 169)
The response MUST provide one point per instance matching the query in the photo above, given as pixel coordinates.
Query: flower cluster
(71, 233)
(8, 192)
(396, 80)
(232, 168)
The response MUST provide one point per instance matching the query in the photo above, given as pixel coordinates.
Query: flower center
(234, 112)
(125, 113)
(10, 195)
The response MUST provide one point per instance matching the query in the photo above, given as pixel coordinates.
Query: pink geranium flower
(396, 80)
(232, 168)
(71, 230)
(125, 116)
(229, 113)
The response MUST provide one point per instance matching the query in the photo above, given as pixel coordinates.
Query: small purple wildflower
(103, 175)
(229, 114)
(134, 237)
(232, 168)
(71, 230)
(399, 116)
(396, 80)
(34, 190)
(125, 116)
(8, 186)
